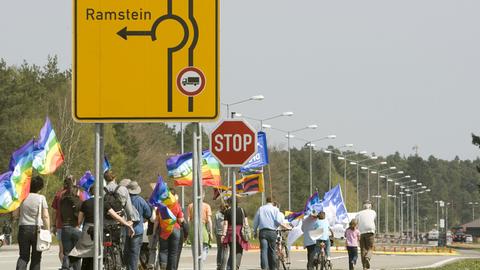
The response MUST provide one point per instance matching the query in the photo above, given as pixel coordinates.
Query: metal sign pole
(200, 195)
(197, 196)
(98, 200)
(195, 165)
(234, 221)
(182, 149)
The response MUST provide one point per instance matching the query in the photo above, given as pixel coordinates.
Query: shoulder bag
(246, 231)
(44, 237)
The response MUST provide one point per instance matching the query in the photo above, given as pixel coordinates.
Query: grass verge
(468, 264)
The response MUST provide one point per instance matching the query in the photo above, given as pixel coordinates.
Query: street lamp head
(287, 113)
(424, 187)
(374, 157)
(397, 184)
(390, 180)
(383, 163)
(327, 151)
(400, 172)
(353, 163)
(413, 180)
(419, 184)
(402, 187)
(332, 136)
(363, 168)
(289, 136)
(349, 145)
(382, 176)
(373, 172)
(340, 158)
(427, 190)
(312, 126)
(257, 97)
(392, 168)
(310, 144)
(363, 152)
(407, 176)
(266, 126)
(237, 114)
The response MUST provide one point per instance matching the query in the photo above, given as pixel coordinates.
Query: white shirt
(366, 221)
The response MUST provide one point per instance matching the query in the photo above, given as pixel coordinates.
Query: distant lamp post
(473, 204)
(261, 120)
(289, 135)
(357, 164)
(310, 144)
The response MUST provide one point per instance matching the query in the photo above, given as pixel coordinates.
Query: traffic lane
(251, 259)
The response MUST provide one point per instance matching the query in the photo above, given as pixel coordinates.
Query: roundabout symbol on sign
(191, 81)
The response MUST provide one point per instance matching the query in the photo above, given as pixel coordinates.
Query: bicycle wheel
(329, 265)
(286, 257)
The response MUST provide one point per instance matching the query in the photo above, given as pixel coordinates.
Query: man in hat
(366, 226)
(134, 243)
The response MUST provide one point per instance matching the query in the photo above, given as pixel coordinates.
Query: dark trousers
(87, 263)
(366, 246)
(27, 241)
(352, 256)
(268, 245)
(132, 251)
(222, 253)
(70, 237)
(238, 256)
(312, 252)
(167, 256)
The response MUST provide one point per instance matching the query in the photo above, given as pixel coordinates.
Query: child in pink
(352, 239)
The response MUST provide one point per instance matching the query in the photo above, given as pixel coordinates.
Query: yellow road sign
(145, 60)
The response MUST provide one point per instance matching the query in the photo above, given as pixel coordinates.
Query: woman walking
(241, 244)
(33, 213)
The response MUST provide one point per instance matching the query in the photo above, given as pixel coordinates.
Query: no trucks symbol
(191, 81)
(146, 61)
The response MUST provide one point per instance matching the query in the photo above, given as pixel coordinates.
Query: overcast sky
(383, 75)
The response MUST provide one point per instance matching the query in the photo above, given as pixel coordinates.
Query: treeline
(29, 93)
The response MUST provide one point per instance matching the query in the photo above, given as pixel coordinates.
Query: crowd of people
(134, 224)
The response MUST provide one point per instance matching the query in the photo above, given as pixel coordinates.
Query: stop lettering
(233, 142)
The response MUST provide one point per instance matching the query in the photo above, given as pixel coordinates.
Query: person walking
(70, 204)
(84, 249)
(222, 251)
(352, 239)
(267, 219)
(309, 224)
(169, 247)
(227, 235)
(33, 213)
(206, 223)
(57, 219)
(134, 243)
(366, 226)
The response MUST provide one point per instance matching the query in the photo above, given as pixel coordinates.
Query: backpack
(113, 199)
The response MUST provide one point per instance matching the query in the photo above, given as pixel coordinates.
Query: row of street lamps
(346, 156)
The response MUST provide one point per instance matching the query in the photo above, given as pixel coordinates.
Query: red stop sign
(233, 143)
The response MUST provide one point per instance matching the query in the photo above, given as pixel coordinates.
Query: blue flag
(334, 207)
(106, 164)
(261, 157)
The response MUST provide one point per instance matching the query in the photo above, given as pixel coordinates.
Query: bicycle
(112, 253)
(283, 253)
(320, 261)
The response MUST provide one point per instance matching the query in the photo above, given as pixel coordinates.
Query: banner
(180, 169)
(261, 157)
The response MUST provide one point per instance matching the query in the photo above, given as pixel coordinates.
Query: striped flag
(48, 154)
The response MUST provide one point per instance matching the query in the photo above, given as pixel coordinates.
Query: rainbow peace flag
(164, 200)
(48, 153)
(21, 168)
(15, 184)
(6, 189)
(180, 169)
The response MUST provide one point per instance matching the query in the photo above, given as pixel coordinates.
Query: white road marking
(437, 264)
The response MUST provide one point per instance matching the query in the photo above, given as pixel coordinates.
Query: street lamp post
(261, 120)
(289, 135)
(396, 183)
(378, 196)
(357, 163)
(310, 144)
(473, 204)
(228, 105)
(386, 197)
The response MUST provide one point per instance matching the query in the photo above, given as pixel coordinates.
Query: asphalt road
(9, 255)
